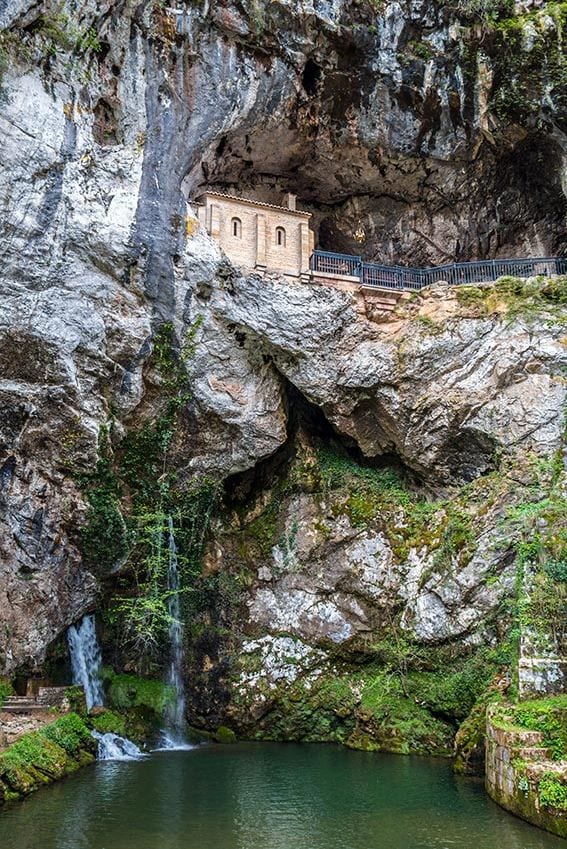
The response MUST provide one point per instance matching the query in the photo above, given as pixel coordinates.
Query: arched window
(280, 237)
(236, 228)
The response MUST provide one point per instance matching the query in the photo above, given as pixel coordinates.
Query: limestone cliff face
(397, 507)
(113, 114)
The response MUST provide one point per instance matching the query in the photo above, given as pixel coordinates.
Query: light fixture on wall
(360, 233)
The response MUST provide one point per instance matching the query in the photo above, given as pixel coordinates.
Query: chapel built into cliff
(260, 236)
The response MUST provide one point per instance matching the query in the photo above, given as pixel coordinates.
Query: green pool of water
(267, 796)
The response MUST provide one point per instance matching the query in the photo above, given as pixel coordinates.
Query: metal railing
(399, 277)
(330, 263)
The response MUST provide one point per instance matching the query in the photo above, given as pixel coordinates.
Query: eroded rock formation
(401, 116)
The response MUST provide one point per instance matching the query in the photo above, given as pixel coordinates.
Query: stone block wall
(255, 244)
(541, 672)
(516, 765)
(54, 697)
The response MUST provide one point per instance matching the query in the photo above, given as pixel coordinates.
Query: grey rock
(101, 151)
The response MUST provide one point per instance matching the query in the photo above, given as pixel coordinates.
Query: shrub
(552, 792)
(6, 690)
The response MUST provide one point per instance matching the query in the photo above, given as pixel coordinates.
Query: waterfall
(111, 747)
(86, 659)
(175, 715)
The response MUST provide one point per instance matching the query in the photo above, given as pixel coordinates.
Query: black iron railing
(399, 277)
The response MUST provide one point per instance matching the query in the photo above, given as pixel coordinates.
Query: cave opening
(303, 416)
(417, 211)
(106, 129)
(311, 77)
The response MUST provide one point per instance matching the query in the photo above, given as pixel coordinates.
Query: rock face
(111, 118)
(462, 390)
(439, 389)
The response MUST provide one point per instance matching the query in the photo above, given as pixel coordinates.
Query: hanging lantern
(360, 233)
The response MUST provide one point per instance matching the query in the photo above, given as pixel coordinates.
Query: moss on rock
(43, 756)
(407, 700)
(224, 735)
(108, 721)
(136, 706)
(469, 740)
(125, 692)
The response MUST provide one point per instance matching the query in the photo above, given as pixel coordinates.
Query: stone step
(515, 737)
(536, 753)
(32, 708)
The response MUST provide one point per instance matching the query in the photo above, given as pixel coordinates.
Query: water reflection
(266, 796)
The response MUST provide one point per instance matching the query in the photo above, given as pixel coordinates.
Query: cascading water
(175, 715)
(111, 747)
(86, 659)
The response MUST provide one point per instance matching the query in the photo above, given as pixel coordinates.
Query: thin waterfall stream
(173, 736)
(86, 660)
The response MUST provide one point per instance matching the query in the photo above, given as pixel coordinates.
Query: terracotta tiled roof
(254, 203)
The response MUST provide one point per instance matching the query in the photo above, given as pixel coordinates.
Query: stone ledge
(515, 764)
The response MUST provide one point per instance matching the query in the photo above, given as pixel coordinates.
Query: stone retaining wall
(516, 764)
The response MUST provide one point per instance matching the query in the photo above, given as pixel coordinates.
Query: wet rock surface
(111, 119)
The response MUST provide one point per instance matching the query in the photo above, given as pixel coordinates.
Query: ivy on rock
(135, 502)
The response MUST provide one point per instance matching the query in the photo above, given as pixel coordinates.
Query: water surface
(267, 796)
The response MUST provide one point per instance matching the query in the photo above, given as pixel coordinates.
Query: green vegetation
(548, 716)
(421, 49)
(263, 529)
(469, 740)
(406, 698)
(552, 792)
(393, 717)
(108, 722)
(517, 297)
(42, 756)
(135, 500)
(530, 63)
(77, 701)
(136, 706)
(408, 519)
(105, 536)
(13, 51)
(541, 531)
(224, 735)
(257, 16)
(59, 33)
(6, 690)
(139, 610)
(125, 692)
(485, 11)
(396, 693)
(69, 732)
(376, 6)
